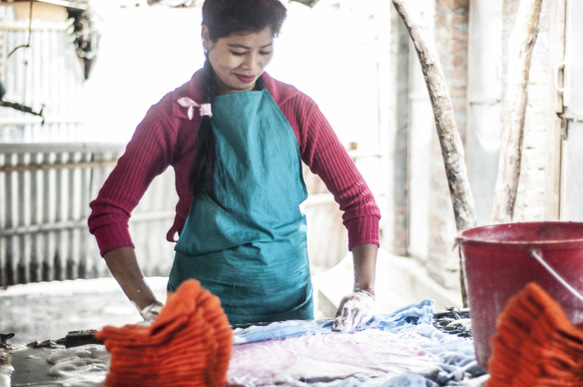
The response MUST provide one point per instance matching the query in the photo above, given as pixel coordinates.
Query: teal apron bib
(252, 251)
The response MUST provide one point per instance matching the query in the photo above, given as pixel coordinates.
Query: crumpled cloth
(420, 313)
(535, 344)
(449, 359)
(189, 344)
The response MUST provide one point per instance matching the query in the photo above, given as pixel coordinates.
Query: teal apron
(250, 251)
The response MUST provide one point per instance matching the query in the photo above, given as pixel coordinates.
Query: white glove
(354, 311)
(150, 312)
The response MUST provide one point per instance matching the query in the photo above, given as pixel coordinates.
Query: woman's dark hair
(223, 18)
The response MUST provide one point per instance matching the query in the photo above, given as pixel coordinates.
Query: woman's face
(238, 59)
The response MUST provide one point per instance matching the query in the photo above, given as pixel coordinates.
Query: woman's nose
(252, 61)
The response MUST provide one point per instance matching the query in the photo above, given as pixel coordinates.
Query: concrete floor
(48, 311)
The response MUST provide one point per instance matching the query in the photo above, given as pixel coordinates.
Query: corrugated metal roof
(75, 4)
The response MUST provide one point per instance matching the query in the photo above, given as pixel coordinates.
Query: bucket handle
(537, 255)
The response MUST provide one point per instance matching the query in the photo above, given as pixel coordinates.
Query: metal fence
(47, 76)
(44, 204)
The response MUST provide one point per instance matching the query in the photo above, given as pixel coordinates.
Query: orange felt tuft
(535, 344)
(189, 344)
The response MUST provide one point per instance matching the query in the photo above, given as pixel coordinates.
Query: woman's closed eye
(243, 53)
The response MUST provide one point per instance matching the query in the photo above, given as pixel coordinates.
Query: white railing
(45, 190)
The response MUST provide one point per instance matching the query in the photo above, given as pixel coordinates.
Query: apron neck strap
(259, 85)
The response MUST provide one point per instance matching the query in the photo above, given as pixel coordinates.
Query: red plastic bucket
(501, 259)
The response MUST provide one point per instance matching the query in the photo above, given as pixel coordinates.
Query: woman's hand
(354, 311)
(357, 308)
(150, 312)
(123, 265)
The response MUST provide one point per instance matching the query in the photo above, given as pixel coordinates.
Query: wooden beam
(520, 48)
(451, 146)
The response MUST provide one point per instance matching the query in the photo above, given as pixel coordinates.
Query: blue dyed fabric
(416, 314)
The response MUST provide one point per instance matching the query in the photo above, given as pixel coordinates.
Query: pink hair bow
(205, 108)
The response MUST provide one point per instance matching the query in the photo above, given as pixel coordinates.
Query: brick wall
(394, 234)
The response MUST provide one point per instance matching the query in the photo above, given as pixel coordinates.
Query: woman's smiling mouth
(245, 78)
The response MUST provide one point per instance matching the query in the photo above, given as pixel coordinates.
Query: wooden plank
(41, 11)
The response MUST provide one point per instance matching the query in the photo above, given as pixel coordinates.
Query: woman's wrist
(366, 291)
(365, 257)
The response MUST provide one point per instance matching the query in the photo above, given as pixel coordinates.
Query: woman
(236, 139)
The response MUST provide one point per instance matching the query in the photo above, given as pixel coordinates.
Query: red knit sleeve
(322, 151)
(147, 155)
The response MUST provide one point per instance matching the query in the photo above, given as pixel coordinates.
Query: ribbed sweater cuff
(113, 236)
(363, 230)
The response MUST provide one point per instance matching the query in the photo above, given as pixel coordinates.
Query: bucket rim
(462, 238)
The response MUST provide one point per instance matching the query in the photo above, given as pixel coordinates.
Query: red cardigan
(166, 137)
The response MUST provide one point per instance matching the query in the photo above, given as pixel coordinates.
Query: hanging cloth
(251, 249)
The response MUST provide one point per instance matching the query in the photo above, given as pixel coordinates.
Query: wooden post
(451, 146)
(520, 48)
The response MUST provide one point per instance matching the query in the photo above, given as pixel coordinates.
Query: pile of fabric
(189, 344)
(536, 344)
(403, 348)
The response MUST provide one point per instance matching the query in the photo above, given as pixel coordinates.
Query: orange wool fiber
(189, 344)
(535, 344)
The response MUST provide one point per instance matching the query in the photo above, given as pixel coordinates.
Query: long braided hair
(223, 18)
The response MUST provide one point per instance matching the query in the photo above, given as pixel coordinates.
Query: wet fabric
(414, 314)
(398, 349)
(189, 344)
(249, 247)
(535, 344)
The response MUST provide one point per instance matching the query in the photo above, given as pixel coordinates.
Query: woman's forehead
(251, 39)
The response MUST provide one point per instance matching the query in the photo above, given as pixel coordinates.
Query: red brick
(452, 4)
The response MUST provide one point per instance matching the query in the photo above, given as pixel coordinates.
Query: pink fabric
(166, 137)
(366, 354)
